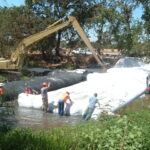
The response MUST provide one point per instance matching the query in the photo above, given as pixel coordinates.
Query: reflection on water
(25, 117)
(37, 118)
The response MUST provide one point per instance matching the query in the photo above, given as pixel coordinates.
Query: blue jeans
(88, 113)
(61, 107)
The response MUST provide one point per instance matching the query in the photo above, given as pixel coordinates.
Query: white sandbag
(30, 101)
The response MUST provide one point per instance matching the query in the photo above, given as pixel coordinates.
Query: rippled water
(37, 118)
(25, 117)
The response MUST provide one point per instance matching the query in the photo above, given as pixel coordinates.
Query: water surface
(35, 118)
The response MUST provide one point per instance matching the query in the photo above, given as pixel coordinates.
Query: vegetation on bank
(130, 132)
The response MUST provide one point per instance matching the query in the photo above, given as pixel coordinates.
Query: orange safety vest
(64, 97)
(1, 91)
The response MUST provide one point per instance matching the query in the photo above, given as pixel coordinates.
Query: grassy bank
(130, 132)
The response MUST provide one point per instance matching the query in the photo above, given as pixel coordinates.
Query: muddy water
(140, 103)
(34, 118)
(39, 119)
(25, 117)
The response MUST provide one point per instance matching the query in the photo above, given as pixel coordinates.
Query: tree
(57, 9)
(21, 22)
(115, 24)
(146, 14)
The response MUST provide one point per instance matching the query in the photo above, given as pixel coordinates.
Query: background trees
(111, 21)
(57, 9)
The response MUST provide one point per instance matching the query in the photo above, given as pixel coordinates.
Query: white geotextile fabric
(115, 88)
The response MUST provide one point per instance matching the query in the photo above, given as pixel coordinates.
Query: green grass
(128, 132)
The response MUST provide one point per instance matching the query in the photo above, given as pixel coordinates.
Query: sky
(9, 3)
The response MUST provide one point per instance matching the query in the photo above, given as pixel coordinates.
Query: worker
(90, 109)
(148, 80)
(51, 107)
(148, 84)
(44, 95)
(148, 89)
(1, 93)
(29, 90)
(67, 108)
(62, 101)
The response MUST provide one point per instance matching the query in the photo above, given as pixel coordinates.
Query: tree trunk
(58, 43)
(43, 54)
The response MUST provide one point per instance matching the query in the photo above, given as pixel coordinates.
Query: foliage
(58, 10)
(2, 78)
(112, 22)
(116, 27)
(18, 23)
(146, 14)
(66, 66)
(129, 132)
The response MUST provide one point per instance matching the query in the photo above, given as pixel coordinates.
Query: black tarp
(58, 79)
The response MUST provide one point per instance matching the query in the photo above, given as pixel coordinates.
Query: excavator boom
(15, 60)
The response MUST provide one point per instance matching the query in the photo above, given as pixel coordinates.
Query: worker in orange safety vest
(62, 101)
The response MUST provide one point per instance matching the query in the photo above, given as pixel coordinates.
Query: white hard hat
(2, 84)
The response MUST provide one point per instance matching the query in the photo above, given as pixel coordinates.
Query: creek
(13, 115)
(34, 118)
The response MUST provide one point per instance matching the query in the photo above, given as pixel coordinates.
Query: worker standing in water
(91, 107)
(148, 84)
(62, 101)
(1, 93)
(29, 90)
(148, 80)
(44, 95)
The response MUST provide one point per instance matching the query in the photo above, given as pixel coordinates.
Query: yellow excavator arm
(15, 60)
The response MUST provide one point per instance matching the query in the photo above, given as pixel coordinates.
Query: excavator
(16, 59)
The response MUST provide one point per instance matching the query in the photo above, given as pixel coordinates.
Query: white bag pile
(116, 88)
